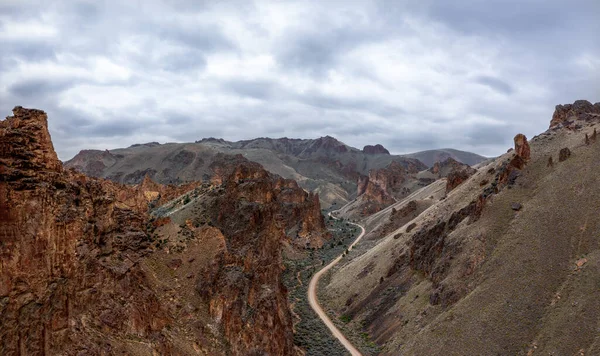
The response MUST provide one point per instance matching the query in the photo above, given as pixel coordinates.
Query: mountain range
(324, 166)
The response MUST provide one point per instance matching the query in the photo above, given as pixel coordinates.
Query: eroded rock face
(457, 177)
(243, 286)
(522, 147)
(69, 250)
(579, 110)
(380, 187)
(75, 252)
(376, 149)
(456, 172)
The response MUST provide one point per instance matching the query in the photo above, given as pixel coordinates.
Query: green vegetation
(345, 318)
(311, 334)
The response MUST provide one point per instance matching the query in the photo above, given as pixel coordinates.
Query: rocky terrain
(503, 262)
(324, 166)
(386, 186)
(89, 266)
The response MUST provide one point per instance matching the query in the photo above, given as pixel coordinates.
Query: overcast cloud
(467, 74)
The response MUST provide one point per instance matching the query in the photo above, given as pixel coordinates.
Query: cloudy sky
(411, 75)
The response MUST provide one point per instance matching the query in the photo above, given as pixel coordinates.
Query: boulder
(564, 154)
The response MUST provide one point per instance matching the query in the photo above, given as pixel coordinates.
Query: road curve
(314, 303)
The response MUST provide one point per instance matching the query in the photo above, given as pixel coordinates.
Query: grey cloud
(315, 51)
(258, 89)
(38, 88)
(495, 84)
(537, 44)
(329, 102)
(208, 38)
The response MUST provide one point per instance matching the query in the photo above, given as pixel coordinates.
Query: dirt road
(314, 303)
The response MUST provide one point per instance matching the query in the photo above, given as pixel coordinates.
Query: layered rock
(579, 110)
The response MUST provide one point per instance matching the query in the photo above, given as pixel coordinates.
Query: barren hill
(506, 263)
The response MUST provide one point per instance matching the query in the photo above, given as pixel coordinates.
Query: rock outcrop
(564, 154)
(377, 149)
(457, 177)
(579, 110)
(380, 188)
(455, 172)
(300, 213)
(256, 212)
(522, 147)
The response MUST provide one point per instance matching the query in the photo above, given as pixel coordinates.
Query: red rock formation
(74, 255)
(69, 273)
(579, 110)
(300, 211)
(243, 286)
(378, 189)
(377, 149)
(522, 147)
(457, 177)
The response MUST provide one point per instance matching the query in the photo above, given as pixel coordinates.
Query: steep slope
(85, 268)
(325, 165)
(507, 263)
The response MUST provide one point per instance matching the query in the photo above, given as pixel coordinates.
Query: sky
(411, 75)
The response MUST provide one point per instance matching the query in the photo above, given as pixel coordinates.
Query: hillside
(506, 263)
(324, 166)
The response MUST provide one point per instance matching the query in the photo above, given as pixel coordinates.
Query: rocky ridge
(581, 110)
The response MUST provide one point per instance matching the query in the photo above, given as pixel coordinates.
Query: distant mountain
(429, 157)
(324, 165)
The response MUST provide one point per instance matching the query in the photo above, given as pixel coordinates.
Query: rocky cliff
(377, 149)
(383, 186)
(85, 268)
(69, 248)
(580, 110)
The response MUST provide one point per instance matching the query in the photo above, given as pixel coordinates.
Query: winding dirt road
(314, 303)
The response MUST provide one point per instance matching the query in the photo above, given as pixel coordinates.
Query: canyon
(182, 249)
